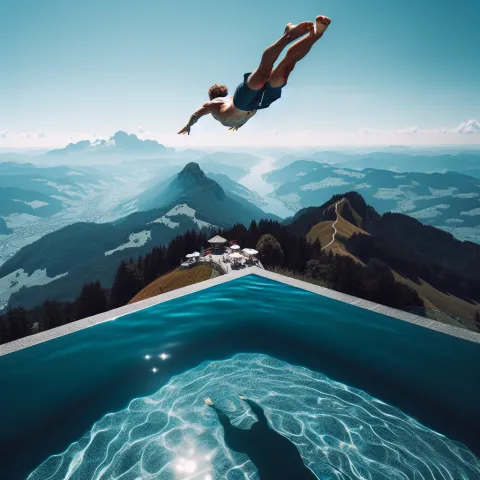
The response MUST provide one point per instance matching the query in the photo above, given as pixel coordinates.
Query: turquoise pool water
(360, 394)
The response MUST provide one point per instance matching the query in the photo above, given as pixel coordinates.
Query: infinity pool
(360, 394)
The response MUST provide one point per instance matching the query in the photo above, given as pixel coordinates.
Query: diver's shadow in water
(274, 456)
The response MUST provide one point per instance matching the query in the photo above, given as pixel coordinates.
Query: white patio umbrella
(236, 255)
(193, 255)
(235, 247)
(250, 251)
(217, 240)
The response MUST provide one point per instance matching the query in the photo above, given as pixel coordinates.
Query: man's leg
(235, 438)
(296, 52)
(261, 75)
(257, 410)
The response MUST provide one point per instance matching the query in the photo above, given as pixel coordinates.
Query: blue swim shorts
(247, 99)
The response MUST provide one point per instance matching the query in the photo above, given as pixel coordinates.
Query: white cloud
(468, 127)
(205, 135)
(144, 133)
(369, 131)
(303, 133)
(39, 139)
(409, 130)
(465, 128)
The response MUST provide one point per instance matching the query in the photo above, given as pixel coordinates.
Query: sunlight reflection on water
(340, 432)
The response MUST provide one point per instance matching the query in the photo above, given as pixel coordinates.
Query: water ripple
(341, 432)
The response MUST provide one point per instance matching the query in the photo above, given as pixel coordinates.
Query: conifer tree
(18, 323)
(118, 291)
(4, 330)
(127, 283)
(91, 301)
(52, 315)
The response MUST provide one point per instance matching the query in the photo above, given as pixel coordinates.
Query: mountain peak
(356, 201)
(192, 166)
(193, 175)
(191, 182)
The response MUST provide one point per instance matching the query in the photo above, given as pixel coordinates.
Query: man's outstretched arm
(205, 110)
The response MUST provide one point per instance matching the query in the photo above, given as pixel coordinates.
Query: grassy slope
(324, 232)
(433, 298)
(438, 300)
(174, 280)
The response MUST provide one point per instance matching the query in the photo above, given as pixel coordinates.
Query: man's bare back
(264, 86)
(224, 110)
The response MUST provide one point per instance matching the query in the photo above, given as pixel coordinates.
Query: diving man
(264, 86)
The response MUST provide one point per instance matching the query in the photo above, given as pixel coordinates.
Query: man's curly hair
(217, 90)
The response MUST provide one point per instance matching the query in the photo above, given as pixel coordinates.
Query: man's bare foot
(292, 32)
(242, 397)
(321, 24)
(208, 401)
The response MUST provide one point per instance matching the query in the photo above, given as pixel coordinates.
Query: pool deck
(326, 292)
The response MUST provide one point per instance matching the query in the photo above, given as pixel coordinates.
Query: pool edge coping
(41, 337)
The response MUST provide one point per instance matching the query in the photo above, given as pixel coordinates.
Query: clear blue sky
(101, 65)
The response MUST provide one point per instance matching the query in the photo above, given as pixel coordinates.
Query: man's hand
(236, 127)
(205, 110)
(184, 130)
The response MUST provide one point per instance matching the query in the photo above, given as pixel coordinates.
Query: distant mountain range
(450, 201)
(118, 144)
(397, 159)
(37, 200)
(443, 270)
(57, 265)
(44, 191)
(235, 165)
(18, 201)
(240, 160)
(475, 172)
